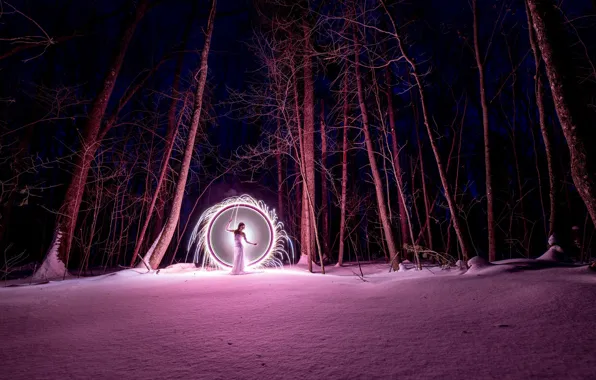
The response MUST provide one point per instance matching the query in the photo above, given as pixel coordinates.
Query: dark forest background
(55, 56)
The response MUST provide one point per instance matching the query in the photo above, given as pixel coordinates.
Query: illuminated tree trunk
(571, 109)
(324, 203)
(546, 137)
(344, 177)
(171, 134)
(370, 150)
(305, 237)
(403, 222)
(56, 260)
(492, 245)
(172, 221)
(309, 145)
(280, 179)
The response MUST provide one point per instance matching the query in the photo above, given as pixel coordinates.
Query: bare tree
(546, 134)
(173, 219)
(571, 110)
(492, 245)
(324, 192)
(457, 225)
(403, 223)
(344, 172)
(57, 257)
(171, 134)
(382, 206)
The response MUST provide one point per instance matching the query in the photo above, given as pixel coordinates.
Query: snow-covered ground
(491, 322)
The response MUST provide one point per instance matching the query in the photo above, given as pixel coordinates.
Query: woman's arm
(228, 226)
(246, 240)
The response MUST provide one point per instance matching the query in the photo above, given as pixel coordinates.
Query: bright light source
(210, 237)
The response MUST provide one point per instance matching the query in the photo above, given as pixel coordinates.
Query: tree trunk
(280, 178)
(403, 222)
(172, 221)
(57, 256)
(171, 134)
(571, 109)
(492, 244)
(324, 194)
(344, 177)
(546, 137)
(305, 237)
(457, 224)
(309, 145)
(370, 150)
(427, 207)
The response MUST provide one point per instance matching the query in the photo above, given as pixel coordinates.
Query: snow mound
(460, 264)
(554, 253)
(180, 267)
(52, 268)
(478, 262)
(481, 266)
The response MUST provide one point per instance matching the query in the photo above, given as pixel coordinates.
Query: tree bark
(305, 237)
(546, 135)
(344, 176)
(370, 150)
(427, 206)
(172, 221)
(171, 134)
(571, 109)
(403, 222)
(280, 179)
(309, 143)
(67, 217)
(492, 244)
(457, 224)
(324, 194)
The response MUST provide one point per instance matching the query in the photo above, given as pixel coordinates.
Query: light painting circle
(258, 229)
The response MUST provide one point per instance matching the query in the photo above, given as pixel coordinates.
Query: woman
(238, 266)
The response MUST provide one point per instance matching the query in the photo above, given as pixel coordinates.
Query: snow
(289, 324)
(554, 253)
(52, 267)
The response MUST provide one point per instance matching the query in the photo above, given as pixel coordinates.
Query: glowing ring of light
(279, 248)
(263, 256)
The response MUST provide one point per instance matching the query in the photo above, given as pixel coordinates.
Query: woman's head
(240, 228)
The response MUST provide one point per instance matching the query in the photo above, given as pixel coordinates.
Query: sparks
(211, 245)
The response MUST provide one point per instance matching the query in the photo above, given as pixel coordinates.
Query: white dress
(238, 266)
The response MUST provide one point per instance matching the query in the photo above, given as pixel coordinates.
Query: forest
(297, 189)
(377, 129)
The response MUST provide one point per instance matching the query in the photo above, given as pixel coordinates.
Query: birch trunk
(344, 177)
(324, 194)
(171, 134)
(403, 223)
(492, 244)
(546, 135)
(571, 109)
(309, 146)
(280, 179)
(457, 224)
(172, 220)
(370, 150)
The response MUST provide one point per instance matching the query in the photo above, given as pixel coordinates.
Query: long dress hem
(238, 264)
